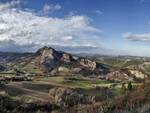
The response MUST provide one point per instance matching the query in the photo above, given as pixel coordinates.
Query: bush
(130, 87)
(123, 89)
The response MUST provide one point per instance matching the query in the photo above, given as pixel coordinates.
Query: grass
(32, 68)
(120, 63)
(7, 74)
(50, 79)
(76, 84)
(81, 82)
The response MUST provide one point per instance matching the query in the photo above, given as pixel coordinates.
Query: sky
(112, 27)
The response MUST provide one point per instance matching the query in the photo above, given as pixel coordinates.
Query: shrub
(130, 87)
(123, 89)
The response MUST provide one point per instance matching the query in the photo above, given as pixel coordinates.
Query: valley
(74, 56)
(62, 80)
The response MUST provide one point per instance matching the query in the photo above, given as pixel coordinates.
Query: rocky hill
(49, 61)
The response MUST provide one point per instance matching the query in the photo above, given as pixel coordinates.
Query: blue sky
(120, 27)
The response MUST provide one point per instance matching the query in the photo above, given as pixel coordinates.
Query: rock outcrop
(88, 63)
(124, 75)
(118, 76)
(65, 97)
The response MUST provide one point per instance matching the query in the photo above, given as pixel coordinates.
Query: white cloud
(50, 8)
(99, 12)
(72, 13)
(67, 38)
(137, 37)
(27, 28)
(10, 4)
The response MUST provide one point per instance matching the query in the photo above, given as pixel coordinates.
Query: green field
(38, 89)
(73, 82)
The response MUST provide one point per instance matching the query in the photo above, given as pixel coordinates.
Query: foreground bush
(135, 101)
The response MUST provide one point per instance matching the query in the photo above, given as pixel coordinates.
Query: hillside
(49, 61)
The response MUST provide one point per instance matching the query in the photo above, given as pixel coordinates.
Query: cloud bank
(137, 37)
(28, 31)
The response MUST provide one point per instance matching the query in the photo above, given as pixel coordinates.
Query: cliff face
(88, 63)
(48, 60)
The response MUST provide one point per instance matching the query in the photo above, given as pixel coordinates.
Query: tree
(130, 87)
(123, 89)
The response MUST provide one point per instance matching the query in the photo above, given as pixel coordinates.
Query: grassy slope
(120, 63)
(77, 83)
